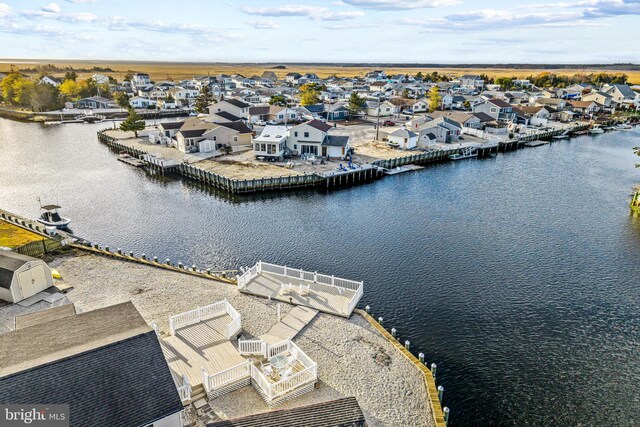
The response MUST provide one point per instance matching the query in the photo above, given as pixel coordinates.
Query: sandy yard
(353, 359)
(379, 150)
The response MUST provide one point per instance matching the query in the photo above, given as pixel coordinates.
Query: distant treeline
(50, 68)
(615, 66)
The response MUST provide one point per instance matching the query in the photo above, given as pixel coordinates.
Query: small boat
(596, 130)
(466, 153)
(624, 127)
(535, 143)
(51, 218)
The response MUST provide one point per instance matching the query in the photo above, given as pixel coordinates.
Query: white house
(271, 142)
(385, 108)
(22, 276)
(313, 137)
(445, 130)
(141, 79)
(403, 138)
(50, 80)
(420, 106)
(142, 102)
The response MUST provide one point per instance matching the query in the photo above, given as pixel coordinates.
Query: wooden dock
(290, 325)
(325, 298)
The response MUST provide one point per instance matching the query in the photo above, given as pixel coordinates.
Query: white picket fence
(255, 346)
(200, 314)
(312, 276)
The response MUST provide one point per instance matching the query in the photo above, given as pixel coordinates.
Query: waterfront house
(622, 95)
(540, 115)
(221, 117)
(583, 107)
(95, 102)
(466, 120)
(106, 364)
(272, 142)
(235, 135)
(497, 109)
(190, 134)
(313, 137)
(169, 129)
(603, 99)
(556, 103)
(403, 138)
(22, 276)
(232, 106)
(142, 102)
(445, 130)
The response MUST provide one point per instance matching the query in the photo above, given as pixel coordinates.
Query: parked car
(272, 122)
(388, 123)
(260, 123)
(408, 111)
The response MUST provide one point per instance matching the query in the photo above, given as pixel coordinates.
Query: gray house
(497, 109)
(106, 364)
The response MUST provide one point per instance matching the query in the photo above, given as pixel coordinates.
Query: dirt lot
(371, 151)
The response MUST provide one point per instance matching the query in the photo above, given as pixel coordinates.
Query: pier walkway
(290, 325)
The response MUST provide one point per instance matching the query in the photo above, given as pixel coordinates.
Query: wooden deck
(323, 298)
(290, 325)
(201, 345)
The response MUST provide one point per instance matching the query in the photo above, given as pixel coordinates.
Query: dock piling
(421, 357)
(440, 393)
(393, 332)
(445, 410)
(407, 344)
(434, 368)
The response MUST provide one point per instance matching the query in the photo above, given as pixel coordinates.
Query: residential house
(272, 142)
(382, 108)
(100, 79)
(95, 102)
(472, 81)
(235, 135)
(313, 138)
(445, 130)
(292, 78)
(190, 134)
(142, 102)
(270, 75)
(376, 75)
(184, 97)
(622, 95)
(557, 103)
(497, 109)
(141, 80)
(403, 138)
(106, 364)
(314, 111)
(169, 129)
(232, 106)
(604, 99)
(540, 115)
(467, 120)
(420, 106)
(380, 86)
(584, 107)
(336, 112)
(50, 80)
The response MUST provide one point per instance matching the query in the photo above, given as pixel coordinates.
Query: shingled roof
(9, 263)
(322, 126)
(335, 413)
(107, 364)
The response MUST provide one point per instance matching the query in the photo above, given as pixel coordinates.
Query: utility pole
(378, 120)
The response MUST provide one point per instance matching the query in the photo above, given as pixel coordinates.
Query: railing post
(205, 379)
(172, 327)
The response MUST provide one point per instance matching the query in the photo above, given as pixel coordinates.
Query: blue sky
(420, 31)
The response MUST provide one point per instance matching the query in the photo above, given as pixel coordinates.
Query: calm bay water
(518, 275)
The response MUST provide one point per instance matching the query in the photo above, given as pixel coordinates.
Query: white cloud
(400, 4)
(267, 24)
(312, 12)
(5, 10)
(51, 7)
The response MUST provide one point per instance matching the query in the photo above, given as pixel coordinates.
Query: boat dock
(328, 294)
(402, 169)
(131, 160)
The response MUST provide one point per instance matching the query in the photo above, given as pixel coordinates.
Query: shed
(403, 138)
(22, 276)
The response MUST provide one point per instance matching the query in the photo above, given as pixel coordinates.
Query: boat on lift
(466, 153)
(596, 130)
(51, 218)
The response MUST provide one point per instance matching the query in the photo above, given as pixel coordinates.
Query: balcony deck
(201, 345)
(322, 297)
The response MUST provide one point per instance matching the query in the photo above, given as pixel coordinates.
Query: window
(310, 149)
(295, 146)
(493, 110)
(295, 134)
(256, 146)
(215, 138)
(235, 139)
(306, 134)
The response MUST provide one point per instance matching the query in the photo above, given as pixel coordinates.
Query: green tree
(419, 75)
(128, 75)
(278, 100)
(309, 97)
(44, 97)
(123, 100)
(133, 123)
(355, 104)
(505, 82)
(204, 99)
(435, 99)
(71, 75)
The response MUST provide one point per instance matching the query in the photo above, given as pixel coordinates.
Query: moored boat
(51, 218)
(596, 130)
(466, 153)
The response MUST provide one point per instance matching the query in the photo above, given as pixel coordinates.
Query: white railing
(283, 270)
(196, 316)
(278, 348)
(220, 379)
(354, 300)
(236, 320)
(185, 390)
(199, 314)
(288, 384)
(246, 277)
(254, 346)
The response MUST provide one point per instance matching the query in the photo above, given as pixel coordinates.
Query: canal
(518, 275)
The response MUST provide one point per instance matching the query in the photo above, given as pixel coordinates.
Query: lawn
(12, 236)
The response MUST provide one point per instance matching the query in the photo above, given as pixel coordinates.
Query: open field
(12, 236)
(177, 71)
